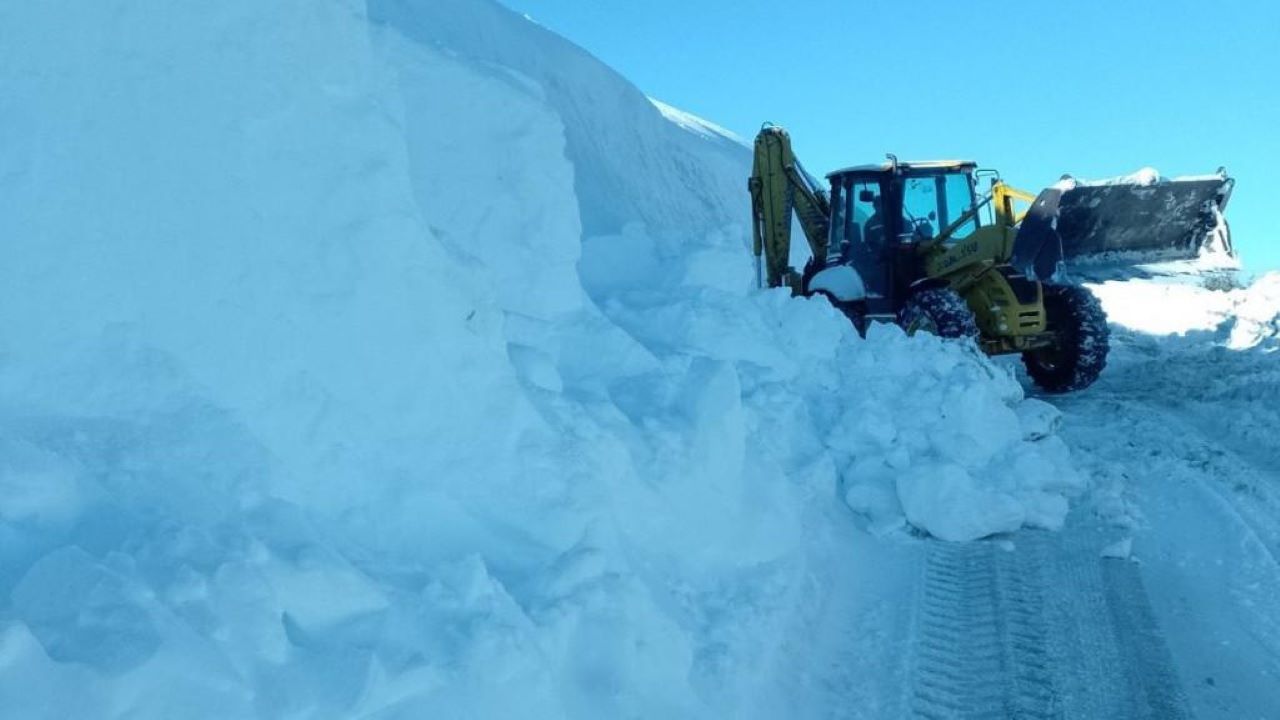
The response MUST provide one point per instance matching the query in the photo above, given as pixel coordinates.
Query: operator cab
(880, 213)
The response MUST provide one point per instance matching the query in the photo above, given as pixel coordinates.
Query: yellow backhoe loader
(915, 243)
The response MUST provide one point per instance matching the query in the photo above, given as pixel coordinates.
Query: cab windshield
(930, 203)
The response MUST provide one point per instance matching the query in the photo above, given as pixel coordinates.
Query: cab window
(864, 225)
(959, 198)
(920, 199)
(931, 203)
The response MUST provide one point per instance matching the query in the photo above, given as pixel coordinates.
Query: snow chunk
(946, 501)
(1120, 549)
(1038, 419)
(38, 487)
(82, 611)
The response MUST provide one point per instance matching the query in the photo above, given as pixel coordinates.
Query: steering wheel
(919, 228)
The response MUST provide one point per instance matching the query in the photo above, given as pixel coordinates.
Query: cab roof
(908, 166)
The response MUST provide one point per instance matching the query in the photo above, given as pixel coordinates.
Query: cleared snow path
(1179, 438)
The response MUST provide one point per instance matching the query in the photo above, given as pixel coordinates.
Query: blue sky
(1092, 88)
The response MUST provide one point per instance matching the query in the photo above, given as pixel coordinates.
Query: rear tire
(939, 311)
(1083, 339)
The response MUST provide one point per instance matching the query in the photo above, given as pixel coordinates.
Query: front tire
(938, 311)
(1083, 339)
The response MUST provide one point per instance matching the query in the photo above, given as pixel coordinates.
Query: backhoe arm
(779, 187)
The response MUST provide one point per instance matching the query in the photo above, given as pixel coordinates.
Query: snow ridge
(695, 124)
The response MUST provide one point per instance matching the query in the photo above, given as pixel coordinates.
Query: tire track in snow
(1213, 464)
(1114, 659)
(1047, 630)
(981, 650)
(1151, 684)
(1250, 476)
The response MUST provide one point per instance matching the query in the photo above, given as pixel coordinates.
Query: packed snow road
(1179, 438)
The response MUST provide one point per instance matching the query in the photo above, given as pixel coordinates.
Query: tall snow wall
(400, 360)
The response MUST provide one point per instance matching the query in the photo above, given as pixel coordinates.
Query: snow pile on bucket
(410, 368)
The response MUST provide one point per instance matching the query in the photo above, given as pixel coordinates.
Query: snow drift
(401, 360)
(1238, 318)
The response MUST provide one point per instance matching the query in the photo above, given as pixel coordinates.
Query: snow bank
(402, 361)
(1222, 354)
(1242, 317)
(630, 163)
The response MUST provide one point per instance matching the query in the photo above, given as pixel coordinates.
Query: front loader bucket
(1123, 225)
